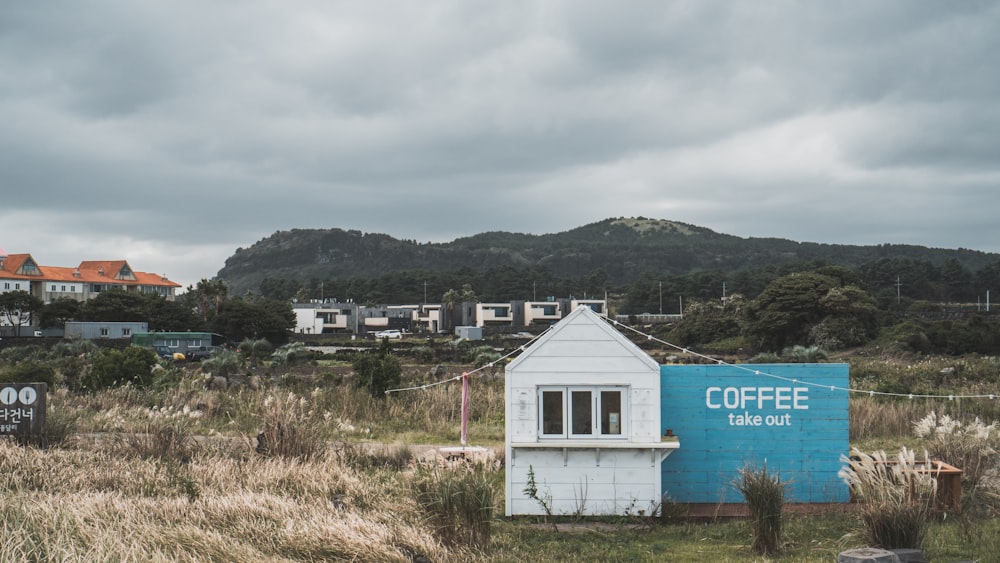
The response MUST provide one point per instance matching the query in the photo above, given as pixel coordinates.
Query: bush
(896, 500)
(291, 354)
(29, 371)
(765, 496)
(804, 354)
(765, 358)
(17, 354)
(111, 368)
(422, 354)
(377, 372)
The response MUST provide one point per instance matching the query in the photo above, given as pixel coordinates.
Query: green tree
(241, 318)
(208, 297)
(115, 305)
(709, 321)
(126, 306)
(17, 308)
(377, 372)
(57, 312)
(811, 308)
(453, 298)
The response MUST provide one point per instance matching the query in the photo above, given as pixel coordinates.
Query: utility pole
(425, 292)
(898, 285)
(661, 297)
(680, 302)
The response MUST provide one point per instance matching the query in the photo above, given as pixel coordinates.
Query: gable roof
(115, 272)
(12, 265)
(584, 334)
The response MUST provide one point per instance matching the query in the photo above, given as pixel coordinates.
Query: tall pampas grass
(896, 496)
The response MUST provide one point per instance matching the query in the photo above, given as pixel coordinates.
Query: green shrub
(765, 497)
(223, 363)
(29, 371)
(17, 354)
(422, 354)
(111, 368)
(765, 358)
(804, 354)
(291, 354)
(377, 372)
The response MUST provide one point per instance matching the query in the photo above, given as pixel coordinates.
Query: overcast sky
(172, 133)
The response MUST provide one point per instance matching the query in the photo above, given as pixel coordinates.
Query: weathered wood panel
(728, 418)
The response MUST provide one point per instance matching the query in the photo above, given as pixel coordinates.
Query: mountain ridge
(622, 247)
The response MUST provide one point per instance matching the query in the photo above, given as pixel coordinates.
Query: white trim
(596, 412)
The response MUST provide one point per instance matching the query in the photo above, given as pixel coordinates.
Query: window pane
(552, 412)
(611, 412)
(581, 410)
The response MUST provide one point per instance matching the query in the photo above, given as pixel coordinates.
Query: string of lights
(759, 373)
(687, 351)
(459, 377)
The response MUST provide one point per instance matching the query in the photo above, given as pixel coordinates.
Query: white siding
(623, 481)
(583, 350)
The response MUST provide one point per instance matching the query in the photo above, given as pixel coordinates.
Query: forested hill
(621, 248)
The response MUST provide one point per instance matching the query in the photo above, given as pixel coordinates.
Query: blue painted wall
(727, 417)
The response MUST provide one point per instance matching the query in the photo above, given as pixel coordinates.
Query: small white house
(583, 410)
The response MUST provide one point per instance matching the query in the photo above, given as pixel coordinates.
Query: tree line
(205, 307)
(894, 283)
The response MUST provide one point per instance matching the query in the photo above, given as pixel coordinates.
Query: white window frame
(596, 412)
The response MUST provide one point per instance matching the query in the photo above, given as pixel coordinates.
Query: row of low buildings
(348, 317)
(20, 272)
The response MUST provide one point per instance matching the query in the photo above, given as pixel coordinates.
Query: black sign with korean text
(22, 409)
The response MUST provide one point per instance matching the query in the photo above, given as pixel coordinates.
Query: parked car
(388, 334)
(200, 354)
(167, 353)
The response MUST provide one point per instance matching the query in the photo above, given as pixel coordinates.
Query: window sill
(658, 451)
(599, 444)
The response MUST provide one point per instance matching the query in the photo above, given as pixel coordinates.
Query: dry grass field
(298, 465)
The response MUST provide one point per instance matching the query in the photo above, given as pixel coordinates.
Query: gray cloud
(172, 133)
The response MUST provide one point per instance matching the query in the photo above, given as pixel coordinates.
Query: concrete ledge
(867, 555)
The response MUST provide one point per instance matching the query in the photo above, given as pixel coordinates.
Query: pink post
(465, 408)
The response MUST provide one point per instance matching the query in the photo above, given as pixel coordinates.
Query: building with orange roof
(20, 272)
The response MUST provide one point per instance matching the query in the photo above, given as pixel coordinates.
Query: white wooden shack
(583, 410)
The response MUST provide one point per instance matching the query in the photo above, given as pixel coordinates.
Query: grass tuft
(765, 496)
